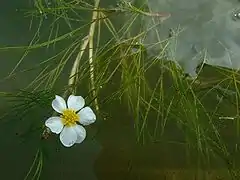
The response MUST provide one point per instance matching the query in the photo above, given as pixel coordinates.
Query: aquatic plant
(118, 71)
(71, 114)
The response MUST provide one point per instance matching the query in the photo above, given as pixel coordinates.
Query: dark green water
(113, 154)
(17, 156)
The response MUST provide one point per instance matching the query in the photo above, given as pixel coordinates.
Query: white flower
(72, 113)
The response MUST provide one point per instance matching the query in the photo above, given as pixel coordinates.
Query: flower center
(69, 117)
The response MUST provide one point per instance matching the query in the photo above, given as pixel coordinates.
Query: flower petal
(75, 102)
(87, 116)
(81, 133)
(68, 136)
(54, 124)
(59, 104)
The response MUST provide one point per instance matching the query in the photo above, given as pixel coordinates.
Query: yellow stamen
(69, 117)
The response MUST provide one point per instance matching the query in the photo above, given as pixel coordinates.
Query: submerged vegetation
(166, 106)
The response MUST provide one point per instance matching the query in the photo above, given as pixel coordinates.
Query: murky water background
(17, 156)
(115, 154)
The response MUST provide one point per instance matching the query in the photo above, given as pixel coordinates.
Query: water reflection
(210, 26)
